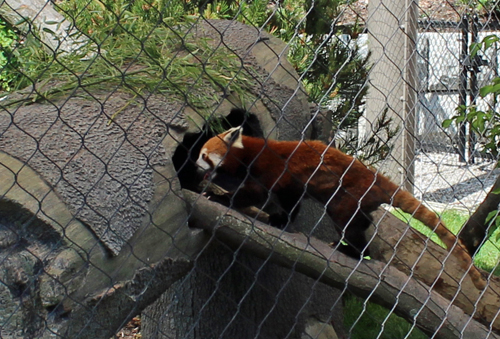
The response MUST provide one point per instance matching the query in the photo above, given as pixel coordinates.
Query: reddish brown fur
(339, 181)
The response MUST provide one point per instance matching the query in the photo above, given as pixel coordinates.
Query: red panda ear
(233, 137)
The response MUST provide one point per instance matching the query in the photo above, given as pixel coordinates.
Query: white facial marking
(216, 159)
(202, 163)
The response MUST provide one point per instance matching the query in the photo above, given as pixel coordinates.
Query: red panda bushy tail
(410, 204)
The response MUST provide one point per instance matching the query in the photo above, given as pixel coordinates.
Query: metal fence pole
(410, 91)
(392, 29)
(474, 89)
(462, 97)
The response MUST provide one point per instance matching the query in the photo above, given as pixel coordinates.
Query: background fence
(105, 106)
(446, 46)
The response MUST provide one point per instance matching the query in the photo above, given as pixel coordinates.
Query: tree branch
(384, 284)
(415, 255)
(475, 231)
(102, 315)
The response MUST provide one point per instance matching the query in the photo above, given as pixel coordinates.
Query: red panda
(292, 170)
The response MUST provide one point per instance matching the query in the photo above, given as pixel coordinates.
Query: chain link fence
(110, 227)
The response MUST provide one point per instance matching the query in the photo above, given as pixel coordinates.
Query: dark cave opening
(187, 152)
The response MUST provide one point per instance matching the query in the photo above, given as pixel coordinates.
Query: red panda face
(208, 160)
(214, 151)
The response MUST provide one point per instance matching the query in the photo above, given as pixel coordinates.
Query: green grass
(489, 254)
(453, 219)
(365, 319)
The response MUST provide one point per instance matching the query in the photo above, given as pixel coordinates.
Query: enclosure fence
(159, 178)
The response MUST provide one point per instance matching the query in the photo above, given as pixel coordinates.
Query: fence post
(462, 97)
(392, 29)
(474, 89)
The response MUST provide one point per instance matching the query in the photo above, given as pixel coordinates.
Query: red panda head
(215, 151)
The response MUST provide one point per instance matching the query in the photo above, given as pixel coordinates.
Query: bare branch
(475, 231)
(101, 315)
(413, 254)
(384, 284)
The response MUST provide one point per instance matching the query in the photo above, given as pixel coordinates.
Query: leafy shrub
(486, 124)
(8, 39)
(151, 31)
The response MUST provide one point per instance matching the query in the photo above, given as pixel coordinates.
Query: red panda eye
(204, 157)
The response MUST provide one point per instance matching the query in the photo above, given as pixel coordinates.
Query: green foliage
(375, 148)
(101, 19)
(133, 46)
(487, 43)
(331, 68)
(453, 219)
(148, 34)
(367, 320)
(489, 254)
(8, 39)
(493, 219)
(486, 124)
(481, 6)
(141, 46)
(321, 15)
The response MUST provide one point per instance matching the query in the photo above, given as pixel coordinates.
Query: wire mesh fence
(158, 178)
